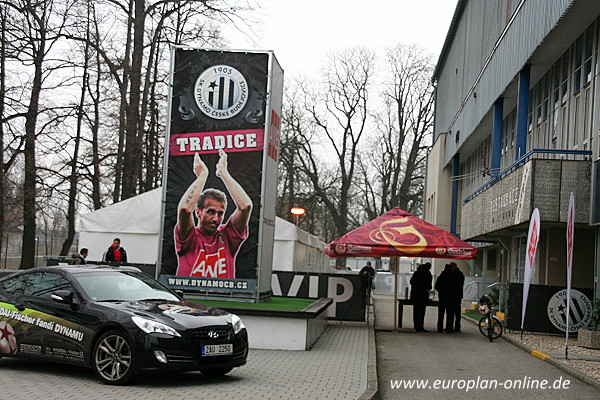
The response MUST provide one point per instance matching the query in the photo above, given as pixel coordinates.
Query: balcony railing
(552, 154)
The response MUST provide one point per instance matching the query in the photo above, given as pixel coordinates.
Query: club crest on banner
(580, 310)
(221, 92)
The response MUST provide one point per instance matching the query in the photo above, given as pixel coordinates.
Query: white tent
(136, 221)
(297, 250)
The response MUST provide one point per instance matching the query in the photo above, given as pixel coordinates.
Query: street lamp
(37, 246)
(297, 211)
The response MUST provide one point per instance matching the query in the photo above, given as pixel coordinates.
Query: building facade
(517, 127)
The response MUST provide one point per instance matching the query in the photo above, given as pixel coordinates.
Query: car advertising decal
(57, 337)
(8, 340)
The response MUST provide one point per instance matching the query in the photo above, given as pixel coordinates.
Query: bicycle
(490, 326)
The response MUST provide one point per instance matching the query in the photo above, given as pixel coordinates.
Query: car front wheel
(113, 358)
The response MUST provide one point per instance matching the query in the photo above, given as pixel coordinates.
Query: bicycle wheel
(483, 326)
(497, 328)
(492, 329)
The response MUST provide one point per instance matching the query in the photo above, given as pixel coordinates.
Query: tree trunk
(74, 178)
(28, 252)
(123, 109)
(132, 162)
(2, 99)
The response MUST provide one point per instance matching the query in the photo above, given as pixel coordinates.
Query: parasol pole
(395, 266)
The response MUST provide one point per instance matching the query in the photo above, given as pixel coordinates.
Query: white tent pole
(395, 264)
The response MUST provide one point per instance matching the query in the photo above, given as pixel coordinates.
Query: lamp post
(297, 211)
(37, 246)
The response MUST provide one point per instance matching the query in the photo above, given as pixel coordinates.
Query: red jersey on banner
(209, 256)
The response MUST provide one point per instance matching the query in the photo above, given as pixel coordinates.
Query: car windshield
(122, 286)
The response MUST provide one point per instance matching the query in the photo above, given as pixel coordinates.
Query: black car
(119, 322)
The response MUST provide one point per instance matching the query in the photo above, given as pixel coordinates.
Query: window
(43, 284)
(556, 93)
(564, 126)
(545, 94)
(538, 101)
(577, 123)
(14, 285)
(564, 89)
(588, 52)
(586, 116)
(508, 139)
(577, 64)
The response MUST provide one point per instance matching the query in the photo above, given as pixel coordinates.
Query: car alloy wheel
(113, 359)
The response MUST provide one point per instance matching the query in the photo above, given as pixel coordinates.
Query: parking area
(335, 368)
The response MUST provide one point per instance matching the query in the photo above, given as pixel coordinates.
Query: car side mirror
(63, 296)
(179, 293)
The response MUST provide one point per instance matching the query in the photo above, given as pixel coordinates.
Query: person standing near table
(420, 286)
(456, 281)
(441, 285)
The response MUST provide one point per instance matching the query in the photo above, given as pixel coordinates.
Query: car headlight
(238, 325)
(150, 326)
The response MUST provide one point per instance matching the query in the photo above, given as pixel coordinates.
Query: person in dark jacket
(420, 284)
(79, 258)
(116, 253)
(441, 285)
(456, 281)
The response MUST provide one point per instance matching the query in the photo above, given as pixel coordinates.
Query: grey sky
(302, 33)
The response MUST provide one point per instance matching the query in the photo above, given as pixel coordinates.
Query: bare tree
(73, 179)
(393, 169)
(293, 187)
(150, 20)
(3, 16)
(93, 111)
(338, 113)
(35, 27)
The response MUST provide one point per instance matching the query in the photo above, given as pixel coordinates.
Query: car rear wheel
(113, 358)
(216, 371)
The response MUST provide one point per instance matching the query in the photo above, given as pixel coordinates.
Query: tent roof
(139, 214)
(398, 233)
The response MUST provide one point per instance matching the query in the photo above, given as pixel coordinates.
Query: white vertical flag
(532, 243)
(570, 235)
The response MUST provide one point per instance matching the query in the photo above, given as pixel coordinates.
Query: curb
(372, 391)
(549, 359)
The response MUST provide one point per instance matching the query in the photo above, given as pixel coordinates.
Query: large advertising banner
(214, 167)
(547, 308)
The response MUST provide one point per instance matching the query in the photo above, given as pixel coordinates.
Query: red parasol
(398, 233)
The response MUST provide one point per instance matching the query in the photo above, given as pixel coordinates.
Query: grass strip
(274, 303)
(475, 316)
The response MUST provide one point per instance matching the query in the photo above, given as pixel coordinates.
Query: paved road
(327, 371)
(461, 359)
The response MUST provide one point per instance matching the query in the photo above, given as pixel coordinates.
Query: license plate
(217, 349)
